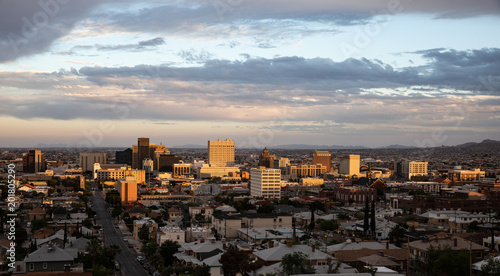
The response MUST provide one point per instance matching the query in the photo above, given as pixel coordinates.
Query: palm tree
(94, 248)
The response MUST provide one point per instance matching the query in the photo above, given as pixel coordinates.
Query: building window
(44, 265)
(32, 266)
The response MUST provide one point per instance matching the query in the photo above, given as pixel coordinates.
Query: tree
(202, 270)
(473, 227)
(372, 220)
(236, 261)
(296, 263)
(94, 248)
(366, 218)
(144, 233)
(266, 209)
(397, 235)
(329, 225)
(492, 267)
(149, 249)
(167, 249)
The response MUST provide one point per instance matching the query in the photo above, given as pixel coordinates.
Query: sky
(100, 73)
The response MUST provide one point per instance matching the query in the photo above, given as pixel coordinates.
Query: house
(275, 254)
(196, 252)
(174, 213)
(204, 212)
(48, 258)
(137, 212)
(60, 214)
(37, 213)
(395, 259)
(273, 220)
(170, 233)
(418, 249)
(226, 226)
(151, 224)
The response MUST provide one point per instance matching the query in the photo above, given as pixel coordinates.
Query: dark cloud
(461, 70)
(30, 27)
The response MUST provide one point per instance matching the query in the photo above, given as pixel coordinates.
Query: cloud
(193, 56)
(31, 27)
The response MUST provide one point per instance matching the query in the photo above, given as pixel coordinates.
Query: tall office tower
(124, 157)
(166, 162)
(155, 151)
(281, 164)
(142, 150)
(33, 161)
(221, 153)
(266, 159)
(414, 168)
(349, 165)
(265, 183)
(324, 158)
(87, 160)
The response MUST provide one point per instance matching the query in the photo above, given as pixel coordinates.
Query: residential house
(37, 214)
(418, 249)
(226, 226)
(170, 233)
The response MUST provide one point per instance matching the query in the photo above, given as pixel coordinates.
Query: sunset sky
(324, 72)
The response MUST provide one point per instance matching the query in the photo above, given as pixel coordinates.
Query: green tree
(266, 209)
(149, 249)
(201, 270)
(491, 268)
(329, 225)
(236, 261)
(100, 270)
(397, 235)
(167, 249)
(372, 220)
(144, 233)
(94, 248)
(366, 218)
(296, 263)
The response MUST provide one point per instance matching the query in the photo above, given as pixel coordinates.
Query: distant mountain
(484, 144)
(397, 147)
(304, 146)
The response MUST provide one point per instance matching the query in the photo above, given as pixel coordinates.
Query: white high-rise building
(87, 160)
(349, 165)
(265, 183)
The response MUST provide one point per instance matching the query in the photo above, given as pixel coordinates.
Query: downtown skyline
(263, 73)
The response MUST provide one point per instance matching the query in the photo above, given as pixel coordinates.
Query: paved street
(127, 258)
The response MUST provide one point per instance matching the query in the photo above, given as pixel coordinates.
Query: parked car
(117, 265)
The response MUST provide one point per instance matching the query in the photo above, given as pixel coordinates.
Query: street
(127, 258)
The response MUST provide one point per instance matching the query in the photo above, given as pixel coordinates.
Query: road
(127, 258)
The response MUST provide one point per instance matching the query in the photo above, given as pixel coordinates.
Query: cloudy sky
(324, 72)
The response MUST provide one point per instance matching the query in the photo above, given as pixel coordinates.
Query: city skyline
(263, 73)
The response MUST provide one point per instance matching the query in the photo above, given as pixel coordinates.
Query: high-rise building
(221, 153)
(33, 162)
(281, 164)
(266, 159)
(124, 157)
(324, 158)
(349, 165)
(87, 160)
(166, 162)
(407, 169)
(144, 150)
(265, 183)
(127, 188)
